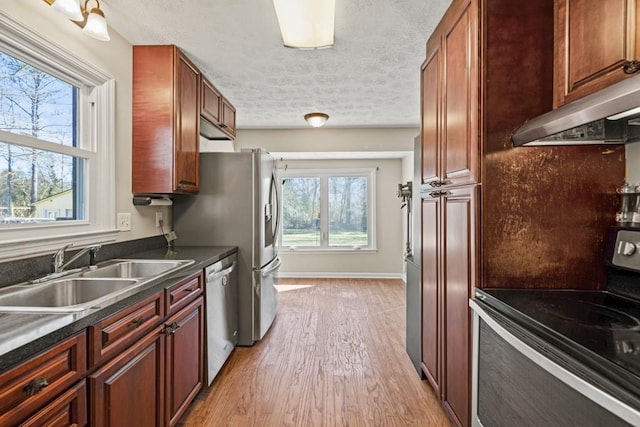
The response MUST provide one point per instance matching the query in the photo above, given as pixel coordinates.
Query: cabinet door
(29, 386)
(187, 154)
(431, 295)
(185, 359)
(129, 390)
(228, 117)
(431, 120)
(594, 40)
(460, 129)
(458, 281)
(70, 409)
(211, 102)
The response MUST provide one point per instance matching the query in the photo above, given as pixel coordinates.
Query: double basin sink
(82, 290)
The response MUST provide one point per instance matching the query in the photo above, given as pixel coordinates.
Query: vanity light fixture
(91, 21)
(307, 24)
(316, 120)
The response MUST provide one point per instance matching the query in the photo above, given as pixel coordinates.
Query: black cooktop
(601, 322)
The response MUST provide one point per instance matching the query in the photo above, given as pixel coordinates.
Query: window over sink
(328, 209)
(57, 182)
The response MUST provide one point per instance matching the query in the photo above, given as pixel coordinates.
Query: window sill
(19, 249)
(326, 250)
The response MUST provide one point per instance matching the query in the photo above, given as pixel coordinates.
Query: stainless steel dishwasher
(221, 295)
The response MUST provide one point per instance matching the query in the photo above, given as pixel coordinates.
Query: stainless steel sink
(136, 268)
(68, 295)
(83, 290)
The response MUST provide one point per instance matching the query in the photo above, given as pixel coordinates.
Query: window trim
(99, 224)
(324, 174)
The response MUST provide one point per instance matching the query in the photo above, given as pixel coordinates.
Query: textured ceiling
(369, 78)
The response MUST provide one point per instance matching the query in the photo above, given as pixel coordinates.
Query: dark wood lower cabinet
(70, 409)
(448, 277)
(185, 359)
(129, 390)
(431, 291)
(458, 281)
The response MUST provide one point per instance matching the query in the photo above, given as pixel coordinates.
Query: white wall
(328, 140)
(115, 58)
(387, 260)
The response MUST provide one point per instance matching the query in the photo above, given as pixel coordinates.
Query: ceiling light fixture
(91, 21)
(306, 24)
(316, 120)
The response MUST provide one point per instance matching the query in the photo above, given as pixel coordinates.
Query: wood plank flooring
(335, 356)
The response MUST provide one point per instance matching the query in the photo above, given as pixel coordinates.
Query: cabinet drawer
(117, 332)
(59, 368)
(70, 409)
(180, 294)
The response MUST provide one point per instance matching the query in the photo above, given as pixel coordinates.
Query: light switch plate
(124, 221)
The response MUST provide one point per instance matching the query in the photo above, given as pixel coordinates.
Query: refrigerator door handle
(272, 267)
(277, 203)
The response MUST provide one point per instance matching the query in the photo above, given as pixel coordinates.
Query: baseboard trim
(336, 275)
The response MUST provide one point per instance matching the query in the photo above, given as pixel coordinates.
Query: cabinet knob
(435, 194)
(139, 321)
(631, 67)
(435, 183)
(35, 386)
(171, 329)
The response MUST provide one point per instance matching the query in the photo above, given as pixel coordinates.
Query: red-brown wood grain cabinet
(184, 359)
(494, 215)
(27, 391)
(166, 121)
(597, 44)
(217, 109)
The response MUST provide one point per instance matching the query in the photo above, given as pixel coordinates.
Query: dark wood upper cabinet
(166, 121)
(450, 101)
(218, 112)
(431, 120)
(596, 44)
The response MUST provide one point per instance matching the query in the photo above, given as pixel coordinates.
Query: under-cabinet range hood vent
(609, 116)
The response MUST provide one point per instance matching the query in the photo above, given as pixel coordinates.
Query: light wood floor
(335, 356)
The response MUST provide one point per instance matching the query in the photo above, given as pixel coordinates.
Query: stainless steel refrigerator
(238, 205)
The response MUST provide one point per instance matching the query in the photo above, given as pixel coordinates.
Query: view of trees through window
(347, 208)
(36, 185)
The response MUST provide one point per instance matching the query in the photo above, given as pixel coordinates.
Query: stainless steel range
(561, 357)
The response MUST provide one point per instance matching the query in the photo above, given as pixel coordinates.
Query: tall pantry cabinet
(493, 215)
(449, 188)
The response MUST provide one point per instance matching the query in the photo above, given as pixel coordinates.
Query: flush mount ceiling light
(91, 21)
(316, 120)
(306, 24)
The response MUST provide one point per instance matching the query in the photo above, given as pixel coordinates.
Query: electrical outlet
(159, 219)
(124, 221)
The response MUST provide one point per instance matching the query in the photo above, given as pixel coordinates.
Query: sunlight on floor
(284, 288)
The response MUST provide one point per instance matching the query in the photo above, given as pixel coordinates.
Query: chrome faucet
(58, 265)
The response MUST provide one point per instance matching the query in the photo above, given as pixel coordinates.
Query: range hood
(584, 121)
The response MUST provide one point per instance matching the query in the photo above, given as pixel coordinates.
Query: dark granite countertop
(23, 335)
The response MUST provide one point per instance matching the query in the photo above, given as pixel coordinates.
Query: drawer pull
(631, 67)
(190, 289)
(139, 321)
(171, 329)
(35, 386)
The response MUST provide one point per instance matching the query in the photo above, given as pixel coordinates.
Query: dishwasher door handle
(273, 266)
(218, 274)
